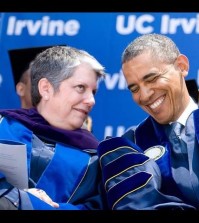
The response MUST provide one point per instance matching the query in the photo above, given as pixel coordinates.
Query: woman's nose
(90, 99)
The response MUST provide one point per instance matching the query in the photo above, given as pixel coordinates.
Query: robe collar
(80, 138)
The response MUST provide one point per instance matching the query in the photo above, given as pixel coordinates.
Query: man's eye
(134, 89)
(153, 78)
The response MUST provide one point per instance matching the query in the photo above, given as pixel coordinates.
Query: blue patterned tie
(175, 137)
(177, 129)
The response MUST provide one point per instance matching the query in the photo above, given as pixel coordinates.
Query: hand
(41, 194)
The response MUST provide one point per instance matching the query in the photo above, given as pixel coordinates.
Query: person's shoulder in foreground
(62, 162)
(145, 169)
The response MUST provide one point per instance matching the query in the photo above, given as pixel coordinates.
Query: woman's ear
(44, 88)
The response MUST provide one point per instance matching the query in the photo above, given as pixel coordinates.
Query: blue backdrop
(105, 35)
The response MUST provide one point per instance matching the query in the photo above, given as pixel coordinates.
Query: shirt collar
(189, 109)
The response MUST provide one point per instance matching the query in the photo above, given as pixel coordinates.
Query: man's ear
(182, 63)
(20, 89)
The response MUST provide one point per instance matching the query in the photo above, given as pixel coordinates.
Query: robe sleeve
(132, 180)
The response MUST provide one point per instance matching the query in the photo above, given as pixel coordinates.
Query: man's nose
(145, 93)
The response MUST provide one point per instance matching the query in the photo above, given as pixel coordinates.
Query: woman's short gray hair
(57, 64)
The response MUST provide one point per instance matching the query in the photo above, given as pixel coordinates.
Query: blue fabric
(70, 175)
(117, 143)
(130, 189)
(36, 123)
(129, 185)
(123, 163)
(157, 132)
(70, 179)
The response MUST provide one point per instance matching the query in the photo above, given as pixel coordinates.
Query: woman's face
(69, 107)
(158, 88)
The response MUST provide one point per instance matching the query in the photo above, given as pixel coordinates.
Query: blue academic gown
(70, 179)
(134, 181)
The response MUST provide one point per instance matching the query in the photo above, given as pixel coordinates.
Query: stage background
(105, 35)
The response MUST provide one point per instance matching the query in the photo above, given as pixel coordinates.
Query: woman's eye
(80, 88)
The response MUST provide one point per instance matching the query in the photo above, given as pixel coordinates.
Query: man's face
(158, 88)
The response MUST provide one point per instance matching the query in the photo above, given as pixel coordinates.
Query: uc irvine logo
(144, 24)
(44, 27)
